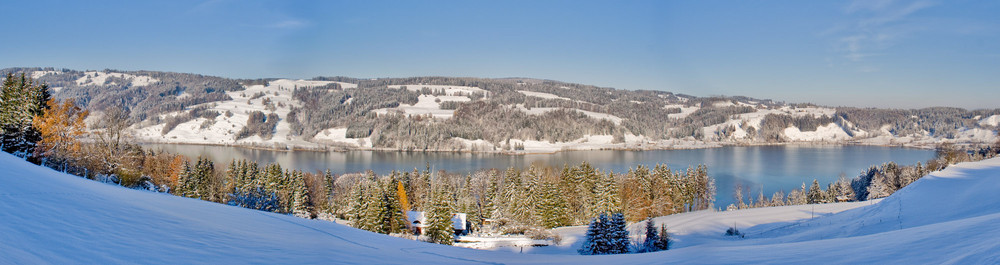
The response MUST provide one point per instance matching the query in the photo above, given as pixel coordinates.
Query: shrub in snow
(542, 234)
(257, 199)
(732, 231)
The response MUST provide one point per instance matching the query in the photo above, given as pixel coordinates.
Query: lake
(770, 168)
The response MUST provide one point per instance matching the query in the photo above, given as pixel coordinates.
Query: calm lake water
(770, 168)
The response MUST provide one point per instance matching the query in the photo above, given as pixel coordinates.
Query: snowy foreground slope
(49, 217)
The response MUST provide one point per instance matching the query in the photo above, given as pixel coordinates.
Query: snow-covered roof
(457, 219)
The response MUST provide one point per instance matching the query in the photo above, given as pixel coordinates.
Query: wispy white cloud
(874, 27)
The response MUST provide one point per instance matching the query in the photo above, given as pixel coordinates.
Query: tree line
(878, 181)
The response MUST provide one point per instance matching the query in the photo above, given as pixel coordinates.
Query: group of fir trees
(196, 182)
(606, 236)
(654, 240)
(376, 205)
(21, 100)
(268, 188)
(517, 200)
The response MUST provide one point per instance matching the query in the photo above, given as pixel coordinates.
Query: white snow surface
(223, 129)
(542, 95)
(99, 78)
(990, 121)
(448, 90)
(427, 105)
(830, 131)
(595, 115)
(39, 74)
(52, 218)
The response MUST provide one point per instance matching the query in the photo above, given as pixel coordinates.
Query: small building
(843, 198)
(418, 220)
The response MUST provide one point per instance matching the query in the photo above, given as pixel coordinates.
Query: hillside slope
(513, 115)
(50, 217)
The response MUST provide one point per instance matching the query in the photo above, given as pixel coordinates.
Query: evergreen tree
(664, 243)
(358, 206)
(186, 181)
(593, 243)
(552, 208)
(21, 99)
(651, 242)
(439, 228)
(606, 197)
(618, 234)
(391, 215)
(301, 204)
(815, 194)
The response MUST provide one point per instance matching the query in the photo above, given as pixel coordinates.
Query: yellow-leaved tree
(61, 126)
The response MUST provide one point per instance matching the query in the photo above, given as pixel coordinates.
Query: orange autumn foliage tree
(60, 126)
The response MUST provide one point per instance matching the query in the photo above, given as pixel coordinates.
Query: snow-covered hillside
(185, 104)
(223, 129)
(50, 217)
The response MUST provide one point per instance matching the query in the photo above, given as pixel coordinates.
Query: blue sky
(877, 53)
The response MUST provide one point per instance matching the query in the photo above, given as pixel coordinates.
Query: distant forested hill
(480, 114)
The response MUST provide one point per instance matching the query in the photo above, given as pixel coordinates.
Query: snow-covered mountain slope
(181, 108)
(49, 217)
(223, 129)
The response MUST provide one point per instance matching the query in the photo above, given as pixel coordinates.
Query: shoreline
(651, 147)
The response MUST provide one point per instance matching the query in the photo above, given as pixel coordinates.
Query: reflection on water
(770, 168)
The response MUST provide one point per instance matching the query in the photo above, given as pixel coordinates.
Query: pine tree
(185, 181)
(664, 243)
(439, 228)
(552, 208)
(815, 194)
(392, 216)
(358, 205)
(651, 242)
(21, 99)
(606, 199)
(618, 234)
(301, 204)
(592, 244)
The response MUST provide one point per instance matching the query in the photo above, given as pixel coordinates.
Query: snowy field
(47, 217)
(223, 129)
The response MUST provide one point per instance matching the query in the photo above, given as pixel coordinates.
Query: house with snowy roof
(418, 220)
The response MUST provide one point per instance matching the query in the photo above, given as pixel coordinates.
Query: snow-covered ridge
(100, 78)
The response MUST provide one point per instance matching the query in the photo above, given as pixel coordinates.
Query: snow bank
(829, 132)
(339, 136)
(990, 121)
